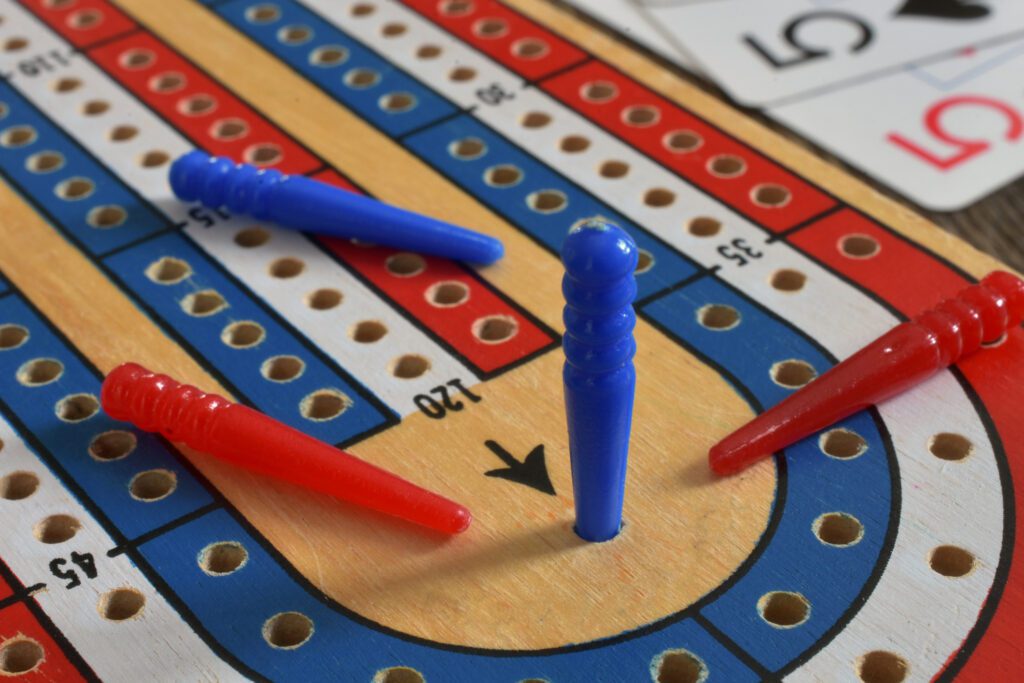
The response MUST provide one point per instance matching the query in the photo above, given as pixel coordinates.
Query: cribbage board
(882, 550)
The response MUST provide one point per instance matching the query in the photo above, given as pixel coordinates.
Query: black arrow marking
(532, 471)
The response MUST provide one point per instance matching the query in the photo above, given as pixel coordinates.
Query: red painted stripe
(201, 108)
(19, 633)
(462, 325)
(911, 281)
(521, 45)
(5, 589)
(726, 169)
(84, 22)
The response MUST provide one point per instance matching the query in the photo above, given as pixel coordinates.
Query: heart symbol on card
(943, 9)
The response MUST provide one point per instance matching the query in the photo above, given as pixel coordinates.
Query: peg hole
(490, 28)
(641, 116)
(363, 9)
(136, 59)
(644, 262)
(495, 329)
(56, 529)
(462, 74)
(842, 443)
(783, 609)
(223, 558)
(40, 371)
(112, 445)
(263, 14)
(530, 48)
(66, 84)
(793, 374)
(659, 198)
(399, 674)
(950, 446)
(547, 201)
(263, 154)
(252, 237)
(361, 78)
(682, 141)
(410, 366)
(106, 217)
(328, 55)
(573, 144)
(951, 561)
(880, 666)
(205, 303)
(18, 136)
(859, 246)
(428, 51)
(505, 175)
(771, 196)
(468, 148)
(613, 169)
(286, 267)
(324, 299)
(704, 226)
(287, 630)
(726, 166)
(448, 294)
(168, 271)
(599, 91)
(718, 317)
(368, 331)
(95, 107)
(84, 19)
(294, 35)
(229, 129)
(154, 158)
(243, 335)
(457, 8)
(45, 162)
(535, 119)
(838, 529)
(77, 407)
(168, 82)
(679, 666)
(282, 368)
(197, 105)
(74, 189)
(18, 485)
(123, 133)
(405, 264)
(153, 485)
(20, 655)
(324, 404)
(12, 336)
(393, 29)
(788, 280)
(121, 604)
(15, 44)
(398, 102)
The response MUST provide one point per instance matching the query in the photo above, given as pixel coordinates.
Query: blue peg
(302, 204)
(599, 288)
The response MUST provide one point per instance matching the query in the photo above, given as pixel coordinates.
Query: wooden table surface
(994, 225)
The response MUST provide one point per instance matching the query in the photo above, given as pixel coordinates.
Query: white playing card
(770, 52)
(943, 134)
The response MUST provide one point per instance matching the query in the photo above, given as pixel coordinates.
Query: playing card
(943, 134)
(769, 53)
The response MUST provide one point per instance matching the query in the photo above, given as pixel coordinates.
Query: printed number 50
(965, 149)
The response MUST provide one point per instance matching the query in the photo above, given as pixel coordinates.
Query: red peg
(249, 439)
(902, 357)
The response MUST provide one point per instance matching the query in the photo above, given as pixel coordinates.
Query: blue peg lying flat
(599, 288)
(302, 204)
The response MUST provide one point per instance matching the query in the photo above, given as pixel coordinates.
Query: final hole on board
(951, 561)
(40, 371)
(726, 166)
(243, 335)
(599, 91)
(104, 217)
(328, 55)
(287, 630)
(229, 129)
(680, 666)
(168, 270)
(950, 446)
(530, 48)
(153, 485)
(324, 299)
(410, 366)
(842, 443)
(393, 29)
(613, 169)
(659, 197)
(838, 528)
(718, 317)
(505, 175)
(95, 107)
(112, 445)
(495, 329)
(168, 82)
(784, 609)
(398, 102)
(18, 136)
(704, 226)
(18, 485)
(154, 158)
(56, 529)
(294, 35)
(361, 78)
(45, 162)
(84, 19)
(252, 237)
(123, 133)
(535, 119)
(859, 246)
(136, 58)
(573, 144)
(399, 674)
(490, 28)
(467, 148)
(77, 407)
(12, 336)
(547, 201)
(682, 141)
(644, 262)
(204, 303)
(641, 116)
(121, 604)
(405, 264)
(880, 666)
(20, 655)
(74, 189)
(286, 267)
(793, 373)
(282, 368)
(223, 558)
(788, 280)
(771, 196)
(263, 154)
(324, 404)
(447, 294)
(428, 52)
(262, 14)
(368, 331)
(197, 105)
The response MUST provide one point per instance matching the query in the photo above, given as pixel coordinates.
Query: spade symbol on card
(943, 9)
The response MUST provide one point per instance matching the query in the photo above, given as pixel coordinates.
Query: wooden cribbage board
(881, 551)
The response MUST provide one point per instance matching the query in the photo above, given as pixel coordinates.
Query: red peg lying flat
(896, 361)
(249, 439)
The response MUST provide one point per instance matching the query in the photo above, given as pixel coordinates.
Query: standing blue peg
(599, 288)
(302, 204)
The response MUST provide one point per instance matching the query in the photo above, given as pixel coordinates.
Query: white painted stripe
(156, 644)
(329, 329)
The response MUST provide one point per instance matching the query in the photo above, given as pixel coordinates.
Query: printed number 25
(965, 148)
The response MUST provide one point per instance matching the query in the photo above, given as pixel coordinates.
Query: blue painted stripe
(829, 577)
(341, 79)
(5, 286)
(241, 366)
